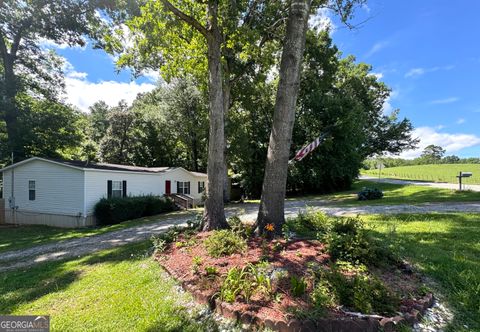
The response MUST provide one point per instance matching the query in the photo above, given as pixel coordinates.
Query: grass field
(114, 290)
(446, 247)
(18, 237)
(433, 173)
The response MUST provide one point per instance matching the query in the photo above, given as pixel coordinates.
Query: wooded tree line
(234, 71)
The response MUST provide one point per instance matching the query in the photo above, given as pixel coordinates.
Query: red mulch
(293, 257)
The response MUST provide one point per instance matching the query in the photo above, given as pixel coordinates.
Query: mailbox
(461, 176)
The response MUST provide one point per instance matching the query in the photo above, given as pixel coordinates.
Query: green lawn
(401, 194)
(18, 237)
(446, 247)
(393, 194)
(115, 290)
(433, 173)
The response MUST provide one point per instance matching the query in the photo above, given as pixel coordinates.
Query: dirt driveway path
(79, 247)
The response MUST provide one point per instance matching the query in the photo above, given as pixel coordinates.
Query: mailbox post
(461, 176)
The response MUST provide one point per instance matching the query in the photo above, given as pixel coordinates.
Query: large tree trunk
(274, 184)
(226, 107)
(10, 110)
(214, 215)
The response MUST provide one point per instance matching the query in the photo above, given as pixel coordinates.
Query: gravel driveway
(83, 246)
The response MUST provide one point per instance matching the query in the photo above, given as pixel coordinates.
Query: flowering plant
(269, 227)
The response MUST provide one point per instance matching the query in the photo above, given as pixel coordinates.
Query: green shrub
(237, 226)
(349, 240)
(346, 238)
(360, 291)
(161, 241)
(159, 244)
(298, 286)
(194, 223)
(307, 224)
(224, 243)
(211, 270)
(367, 194)
(109, 211)
(322, 295)
(196, 263)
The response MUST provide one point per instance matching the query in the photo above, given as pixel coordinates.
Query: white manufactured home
(64, 193)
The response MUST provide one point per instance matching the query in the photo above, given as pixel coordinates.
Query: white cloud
(47, 44)
(376, 48)
(152, 75)
(76, 74)
(460, 121)
(450, 142)
(82, 93)
(387, 105)
(379, 76)
(416, 72)
(322, 20)
(366, 8)
(444, 101)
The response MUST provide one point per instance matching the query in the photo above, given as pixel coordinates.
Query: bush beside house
(110, 211)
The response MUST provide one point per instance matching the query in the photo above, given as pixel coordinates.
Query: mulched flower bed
(187, 261)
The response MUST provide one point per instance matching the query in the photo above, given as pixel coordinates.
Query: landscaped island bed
(293, 284)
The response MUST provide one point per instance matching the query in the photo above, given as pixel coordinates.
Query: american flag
(302, 153)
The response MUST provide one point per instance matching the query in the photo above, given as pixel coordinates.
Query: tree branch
(184, 17)
(16, 44)
(3, 47)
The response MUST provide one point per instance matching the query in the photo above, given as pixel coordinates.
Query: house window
(31, 190)
(117, 189)
(183, 188)
(201, 186)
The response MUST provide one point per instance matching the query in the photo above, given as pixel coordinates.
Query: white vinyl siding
(66, 191)
(58, 189)
(138, 184)
(181, 175)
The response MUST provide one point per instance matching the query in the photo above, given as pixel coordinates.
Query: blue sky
(427, 51)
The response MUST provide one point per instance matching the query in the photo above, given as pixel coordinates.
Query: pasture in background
(433, 173)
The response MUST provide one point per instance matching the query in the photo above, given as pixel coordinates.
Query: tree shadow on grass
(135, 251)
(24, 286)
(27, 285)
(450, 257)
